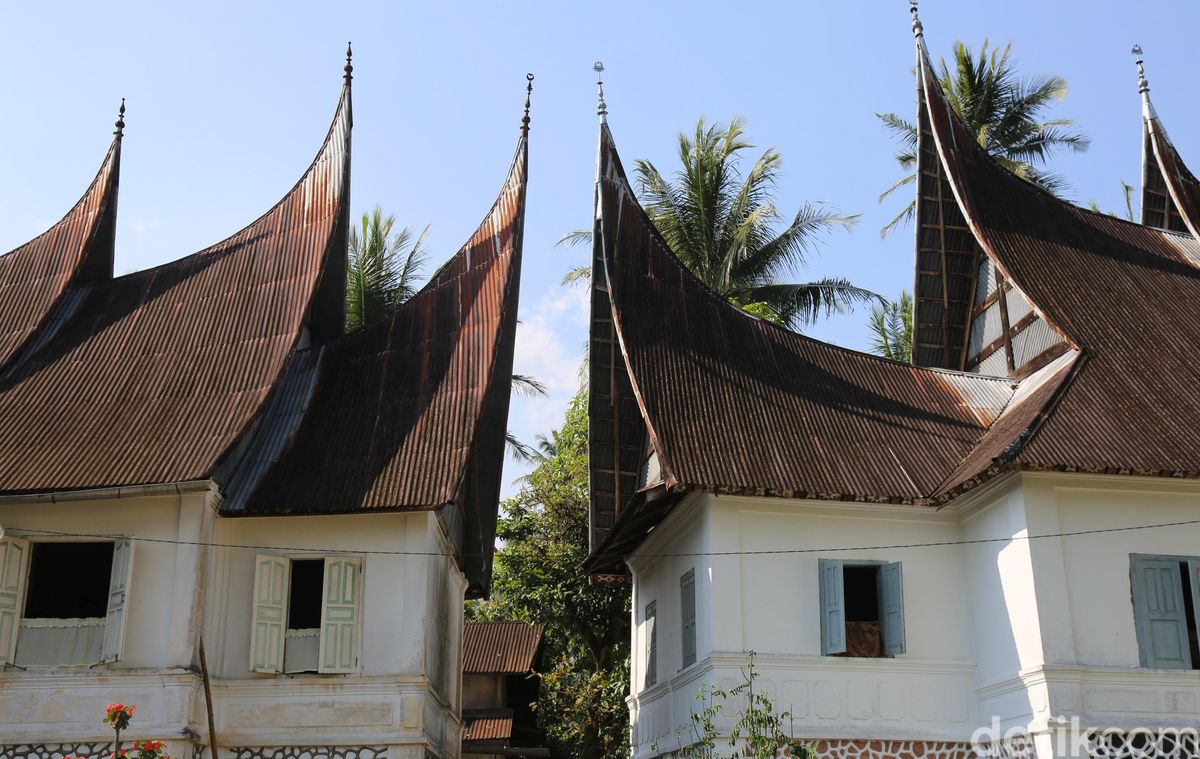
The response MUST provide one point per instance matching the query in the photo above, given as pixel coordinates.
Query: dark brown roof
(152, 377)
(77, 250)
(501, 648)
(1122, 293)
(1170, 192)
(487, 725)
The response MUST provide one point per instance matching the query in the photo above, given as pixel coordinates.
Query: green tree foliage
(382, 268)
(542, 534)
(1005, 112)
(892, 327)
(723, 224)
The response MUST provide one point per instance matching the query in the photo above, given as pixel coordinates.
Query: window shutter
(687, 606)
(1159, 613)
(118, 591)
(13, 555)
(833, 607)
(651, 645)
(891, 608)
(268, 621)
(340, 611)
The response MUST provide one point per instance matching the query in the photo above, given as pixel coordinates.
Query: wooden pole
(212, 727)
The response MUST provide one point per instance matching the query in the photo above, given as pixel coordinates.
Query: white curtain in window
(301, 650)
(59, 642)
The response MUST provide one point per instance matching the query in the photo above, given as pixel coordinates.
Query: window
(63, 603)
(862, 608)
(306, 614)
(1164, 610)
(651, 645)
(687, 616)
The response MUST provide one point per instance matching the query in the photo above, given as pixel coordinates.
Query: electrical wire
(682, 554)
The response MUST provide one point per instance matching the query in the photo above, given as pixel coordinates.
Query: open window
(862, 608)
(63, 603)
(306, 614)
(1166, 590)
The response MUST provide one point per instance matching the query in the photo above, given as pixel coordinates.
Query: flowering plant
(117, 716)
(145, 750)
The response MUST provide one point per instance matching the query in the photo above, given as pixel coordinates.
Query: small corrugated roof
(487, 724)
(502, 648)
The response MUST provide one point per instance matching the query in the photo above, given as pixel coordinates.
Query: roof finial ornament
(120, 125)
(349, 69)
(601, 107)
(918, 29)
(528, 94)
(1143, 85)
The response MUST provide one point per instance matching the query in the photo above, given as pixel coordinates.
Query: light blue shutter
(891, 608)
(1159, 613)
(833, 607)
(118, 605)
(13, 554)
(272, 575)
(687, 607)
(340, 611)
(651, 645)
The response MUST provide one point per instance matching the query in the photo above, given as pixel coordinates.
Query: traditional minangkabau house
(915, 552)
(206, 485)
(500, 689)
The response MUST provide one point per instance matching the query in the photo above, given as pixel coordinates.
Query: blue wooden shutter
(651, 645)
(687, 606)
(118, 592)
(14, 555)
(833, 607)
(1159, 613)
(891, 608)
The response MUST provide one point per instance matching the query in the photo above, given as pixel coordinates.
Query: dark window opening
(68, 580)
(864, 636)
(304, 600)
(1189, 610)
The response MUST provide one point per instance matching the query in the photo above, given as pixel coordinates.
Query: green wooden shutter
(833, 607)
(118, 590)
(651, 645)
(268, 621)
(891, 608)
(687, 607)
(13, 556)
(1159, 613)
(340, 612)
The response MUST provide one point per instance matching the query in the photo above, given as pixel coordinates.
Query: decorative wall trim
(54, 750)
(297, 752)
(871, 749)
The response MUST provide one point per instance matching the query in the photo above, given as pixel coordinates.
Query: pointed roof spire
(918, 29)
(349, 69)
(528, 94)
(601, 106)
(1143, 85)
(120, 124)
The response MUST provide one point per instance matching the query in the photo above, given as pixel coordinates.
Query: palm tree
(891, 328)
(723, 225)
(1004, 111)
(382, 268)
(382, 273)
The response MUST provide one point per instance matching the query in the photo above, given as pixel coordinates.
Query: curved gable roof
(155, 375)
(77, 250)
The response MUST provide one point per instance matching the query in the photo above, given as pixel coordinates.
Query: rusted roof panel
(501, 648)
(77, 250)
(154, 376)
(1170, 192)
(735, 404)
(486, 725)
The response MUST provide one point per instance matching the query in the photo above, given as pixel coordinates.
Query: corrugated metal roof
(77, 250)
(487, 725)
(1170, 192)
(506, 648)
(154, 376)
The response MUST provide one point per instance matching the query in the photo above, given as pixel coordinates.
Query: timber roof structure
(1074, 328)
(231, 365)
(500, 648)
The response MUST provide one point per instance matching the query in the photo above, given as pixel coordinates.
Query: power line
(684, 554)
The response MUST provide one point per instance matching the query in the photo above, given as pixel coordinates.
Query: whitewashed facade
(394, 693)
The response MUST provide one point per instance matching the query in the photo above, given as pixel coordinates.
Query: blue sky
(228, 102)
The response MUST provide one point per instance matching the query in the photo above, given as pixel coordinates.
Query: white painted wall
(407, 694)
(1025, 630)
